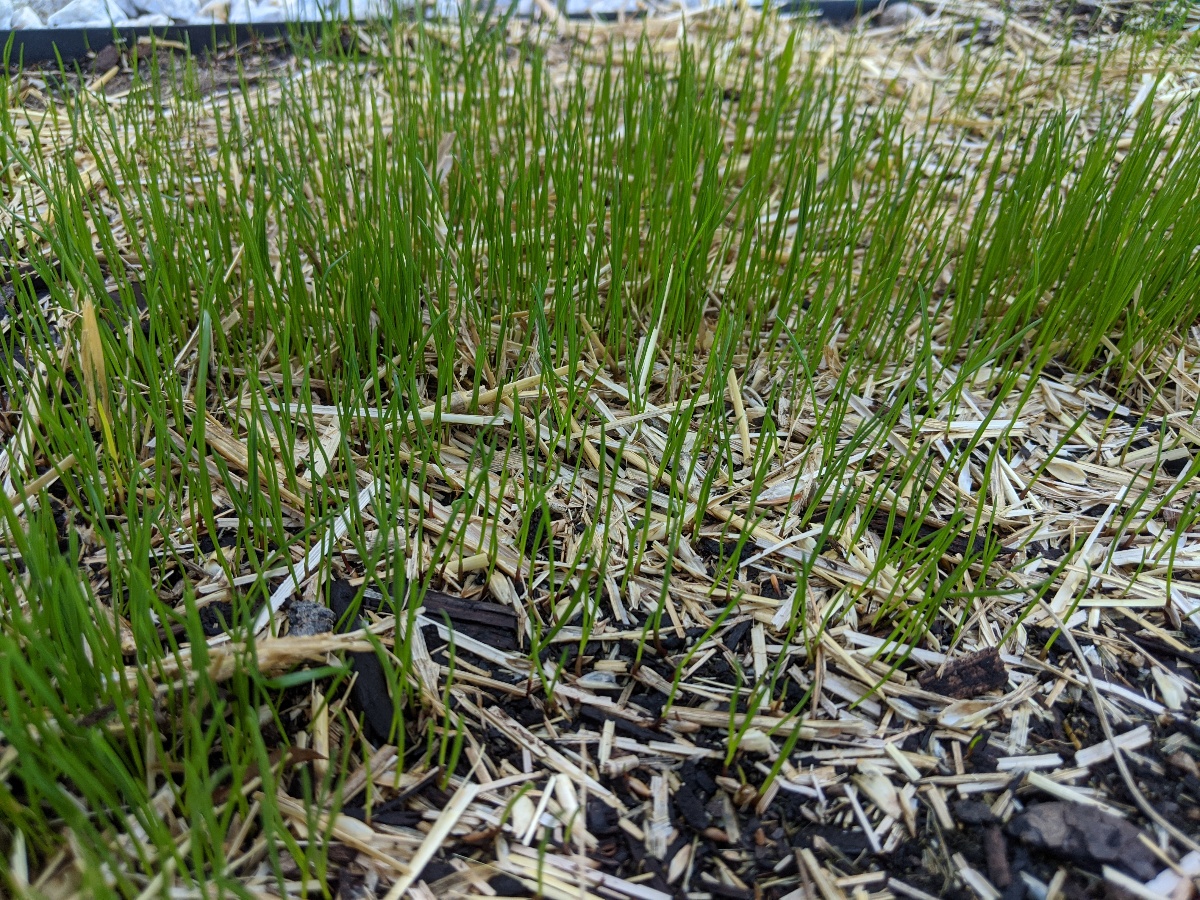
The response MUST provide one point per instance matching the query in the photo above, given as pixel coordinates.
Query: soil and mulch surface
(978, 763)
(974, 762)
(969, 760)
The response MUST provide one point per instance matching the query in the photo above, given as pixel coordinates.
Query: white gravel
(22, 14)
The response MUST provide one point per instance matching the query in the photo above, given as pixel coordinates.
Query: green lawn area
(624, 461)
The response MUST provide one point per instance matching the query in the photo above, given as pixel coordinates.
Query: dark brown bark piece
(477, 612)
(106, 58)
(970, 676)
(996, 849)
(1085, 834)
(491, 623)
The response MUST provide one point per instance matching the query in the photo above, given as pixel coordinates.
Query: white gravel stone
(267, 12)
(895, 15)
(310, 11)
(43, 9)
(88, 14)
(357, 9)
(524, 7)
(214, 11)
(183, 10)
(321, 10)
(24, 17)
(157, 13)
(600, 7)
(300, 10)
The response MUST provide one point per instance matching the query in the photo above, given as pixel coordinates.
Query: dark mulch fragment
(624, 726)
(691, 808)
(216, 618)
(1086, 834)
(491, 623)
(970, 676)
(370, 694)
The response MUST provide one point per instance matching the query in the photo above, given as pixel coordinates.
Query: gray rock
(24, 17)
(6, 14)
(149, 21)
(896, 15)
(88, 14)
(306, 619)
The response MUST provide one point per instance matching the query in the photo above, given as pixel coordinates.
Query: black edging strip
(37, 45)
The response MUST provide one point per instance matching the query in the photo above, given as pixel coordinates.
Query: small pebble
(307, 619)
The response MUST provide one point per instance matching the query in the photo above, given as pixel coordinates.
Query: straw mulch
(913, 773)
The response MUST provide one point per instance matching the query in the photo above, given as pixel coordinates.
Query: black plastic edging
(39, 45)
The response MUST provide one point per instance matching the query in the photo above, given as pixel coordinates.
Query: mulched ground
(938, 774)
(922, 778)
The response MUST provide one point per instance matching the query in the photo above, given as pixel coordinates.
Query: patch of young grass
(304, 284)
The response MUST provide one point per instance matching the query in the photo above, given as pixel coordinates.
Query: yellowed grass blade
(91, 355)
